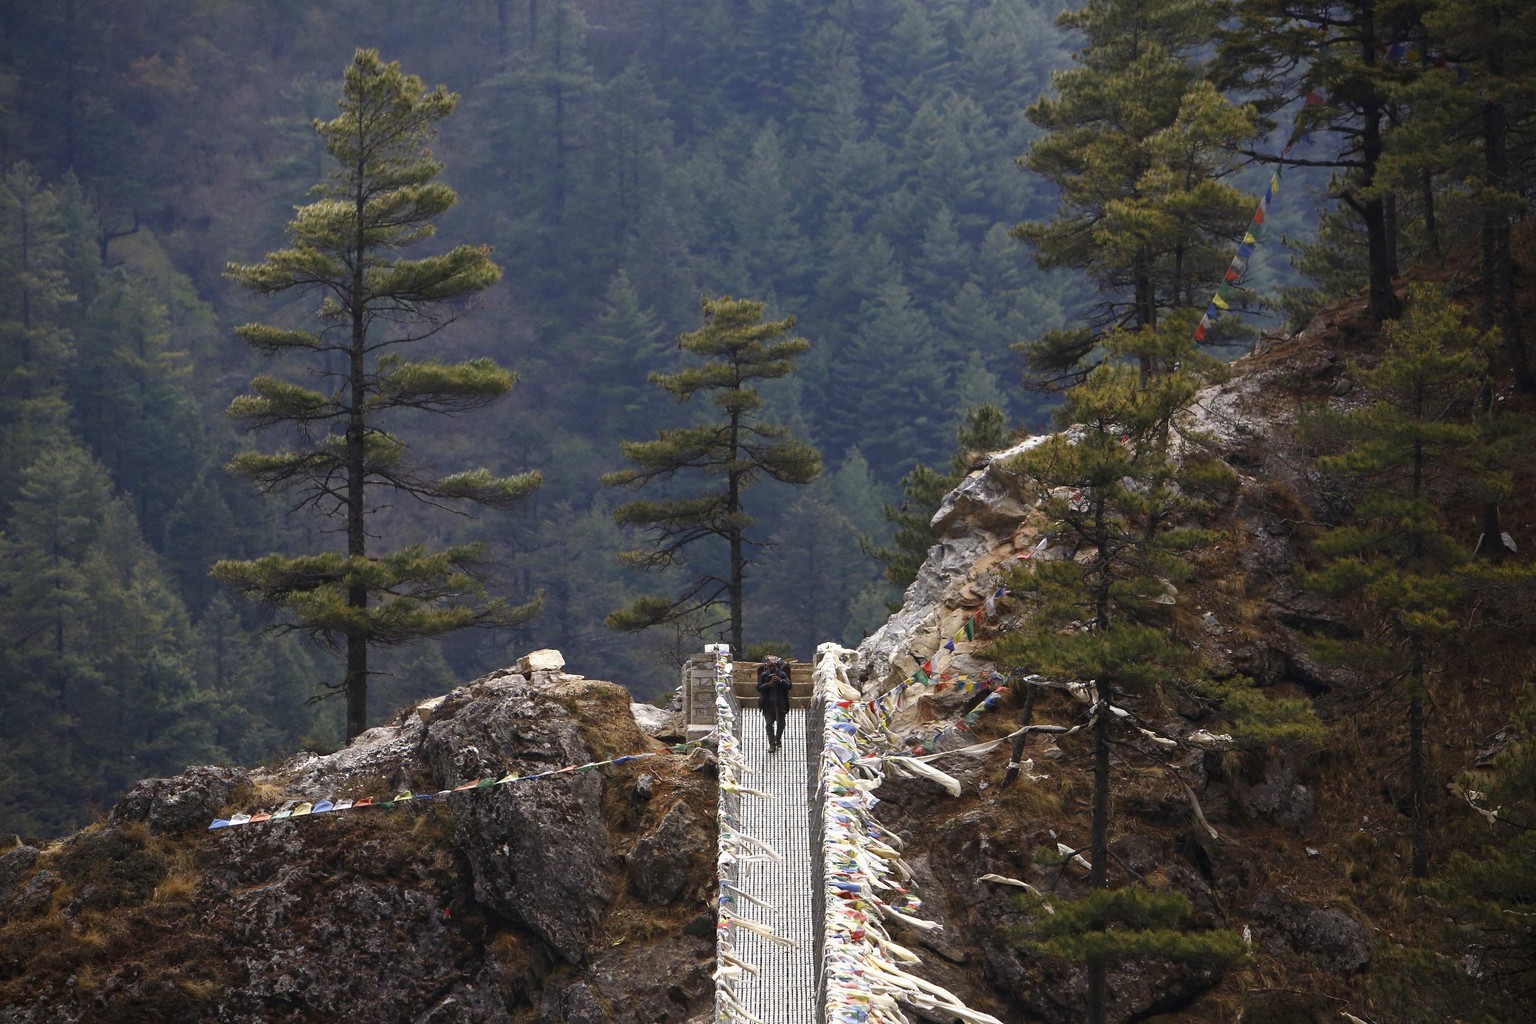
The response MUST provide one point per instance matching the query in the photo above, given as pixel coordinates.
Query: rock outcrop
(1247, 613)
(569, 898)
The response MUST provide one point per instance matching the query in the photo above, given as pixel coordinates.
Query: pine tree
(1331, 55)
(36, 347)
(339, 452)
(732, 453)
(1466, 78)
(95, 684)
(1486, 893)
(622, 345)
(764, 221)
(1117, 498)
(807, 576)
(1138, 144)
(1397, 557)
(893, 415)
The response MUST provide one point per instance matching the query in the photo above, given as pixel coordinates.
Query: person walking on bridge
(773, 697)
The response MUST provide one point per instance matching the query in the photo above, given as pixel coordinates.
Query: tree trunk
(22, 210)
(1491, 544)
(738, 556)
(1018, 741)
(1379, 261)
(502, 28)
(1420, 840)
(1146, 311)
(356, 680)
(1416, 770)
(357, 675)
(1098, 842)
(1383, 301)
(1431, 229)
(1498, 263)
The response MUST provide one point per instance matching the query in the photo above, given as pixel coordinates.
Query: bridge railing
(815, 746)
(729, 851)
(862, 974)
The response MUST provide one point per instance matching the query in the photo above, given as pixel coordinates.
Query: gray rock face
(1277, 797)
(974, 520)
(1139, 853)
(574, 1004)
(948, 564)
(1334, 940)
(21, 895)
(292, 952)
(495, 904)
(988, 498)
(537, 852)
(664, 983)
(189, 801)
(654, 721)
(14, 865)
(662, 863)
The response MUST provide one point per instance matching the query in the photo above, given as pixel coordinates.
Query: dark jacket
(773, 687)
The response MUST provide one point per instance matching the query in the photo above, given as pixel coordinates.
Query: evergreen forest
(909, 224)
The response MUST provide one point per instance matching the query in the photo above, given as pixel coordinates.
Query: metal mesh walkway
(784, 992)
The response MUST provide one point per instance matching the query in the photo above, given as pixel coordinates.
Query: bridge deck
(785, 990)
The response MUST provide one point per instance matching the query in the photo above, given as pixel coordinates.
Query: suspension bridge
(808, 879)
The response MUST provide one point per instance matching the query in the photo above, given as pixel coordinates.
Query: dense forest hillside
(1163, 367)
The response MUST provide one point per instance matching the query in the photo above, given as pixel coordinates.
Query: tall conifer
(1128, 507)
(1331, 54)
(1137, 142)
(339, 452)
(732, 452)
(1396, 558)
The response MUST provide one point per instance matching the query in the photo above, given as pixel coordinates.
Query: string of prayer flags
(928, 742)
(928, 671)
(1238, 268)
(307, 808)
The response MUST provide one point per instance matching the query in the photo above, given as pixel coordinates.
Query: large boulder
(188, 801)
(537, 852)
(1329, 937)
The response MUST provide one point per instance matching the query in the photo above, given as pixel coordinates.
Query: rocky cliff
(581, 897)
(1304, 852)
